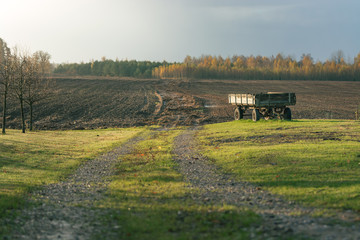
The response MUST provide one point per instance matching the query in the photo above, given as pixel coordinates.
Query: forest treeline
(265, 68)
(216, 67)
(107, 67)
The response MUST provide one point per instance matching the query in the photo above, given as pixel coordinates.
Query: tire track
(277, 214)
(65, 210)
(159, 105)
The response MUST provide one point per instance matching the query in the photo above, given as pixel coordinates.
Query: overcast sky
(81, 30)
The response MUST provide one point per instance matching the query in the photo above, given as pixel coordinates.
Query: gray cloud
(170, 30)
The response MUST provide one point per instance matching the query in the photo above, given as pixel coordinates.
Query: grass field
(28, 161)
(316, 162)
(154, 201)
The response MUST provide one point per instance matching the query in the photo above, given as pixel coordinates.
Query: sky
(157, 30)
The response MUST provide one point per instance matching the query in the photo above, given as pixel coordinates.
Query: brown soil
(85, 103)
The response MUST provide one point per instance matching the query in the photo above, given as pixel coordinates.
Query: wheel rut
(159, 105)
(281, 218)
(65, 210)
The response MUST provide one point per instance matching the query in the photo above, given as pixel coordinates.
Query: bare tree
(5, 77)
(38, 69)
(20, 73)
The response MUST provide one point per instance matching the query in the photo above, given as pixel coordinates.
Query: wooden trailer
(267, 105)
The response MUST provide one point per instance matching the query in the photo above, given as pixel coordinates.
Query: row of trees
(216, 67)
(23, 76)
(260, 67)
(106, 67)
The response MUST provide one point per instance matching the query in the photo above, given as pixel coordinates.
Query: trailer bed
(267, 105)
(270, 99)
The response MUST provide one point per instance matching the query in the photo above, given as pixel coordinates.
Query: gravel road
(64, 210)
(278, 214)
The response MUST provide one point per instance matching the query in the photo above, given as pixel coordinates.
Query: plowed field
(85, 103)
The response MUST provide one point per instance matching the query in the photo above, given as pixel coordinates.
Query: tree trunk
(31, 116)
(22, 115)
(4, 113)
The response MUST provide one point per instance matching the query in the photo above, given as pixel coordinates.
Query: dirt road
(65, 210)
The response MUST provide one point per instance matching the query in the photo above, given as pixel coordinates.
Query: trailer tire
(255, 115)
(238, 113)
(267, 114)
(287, 114)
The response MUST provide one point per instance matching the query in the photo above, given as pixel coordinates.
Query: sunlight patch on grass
(313, 161)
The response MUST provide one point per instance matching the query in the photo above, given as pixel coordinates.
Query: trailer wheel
(268, 114)
(255, 115)
(238, 113)
(287, 114)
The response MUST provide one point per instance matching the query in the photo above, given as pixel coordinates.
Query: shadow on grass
(318, 120)
(309, 184)
(161, 222)
(15, 162)
(19, 162)
(6, 148)
(8, 202)
(7, 214)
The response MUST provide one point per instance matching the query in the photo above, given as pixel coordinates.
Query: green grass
(316, 162)
(154, 201)
(34, 159)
